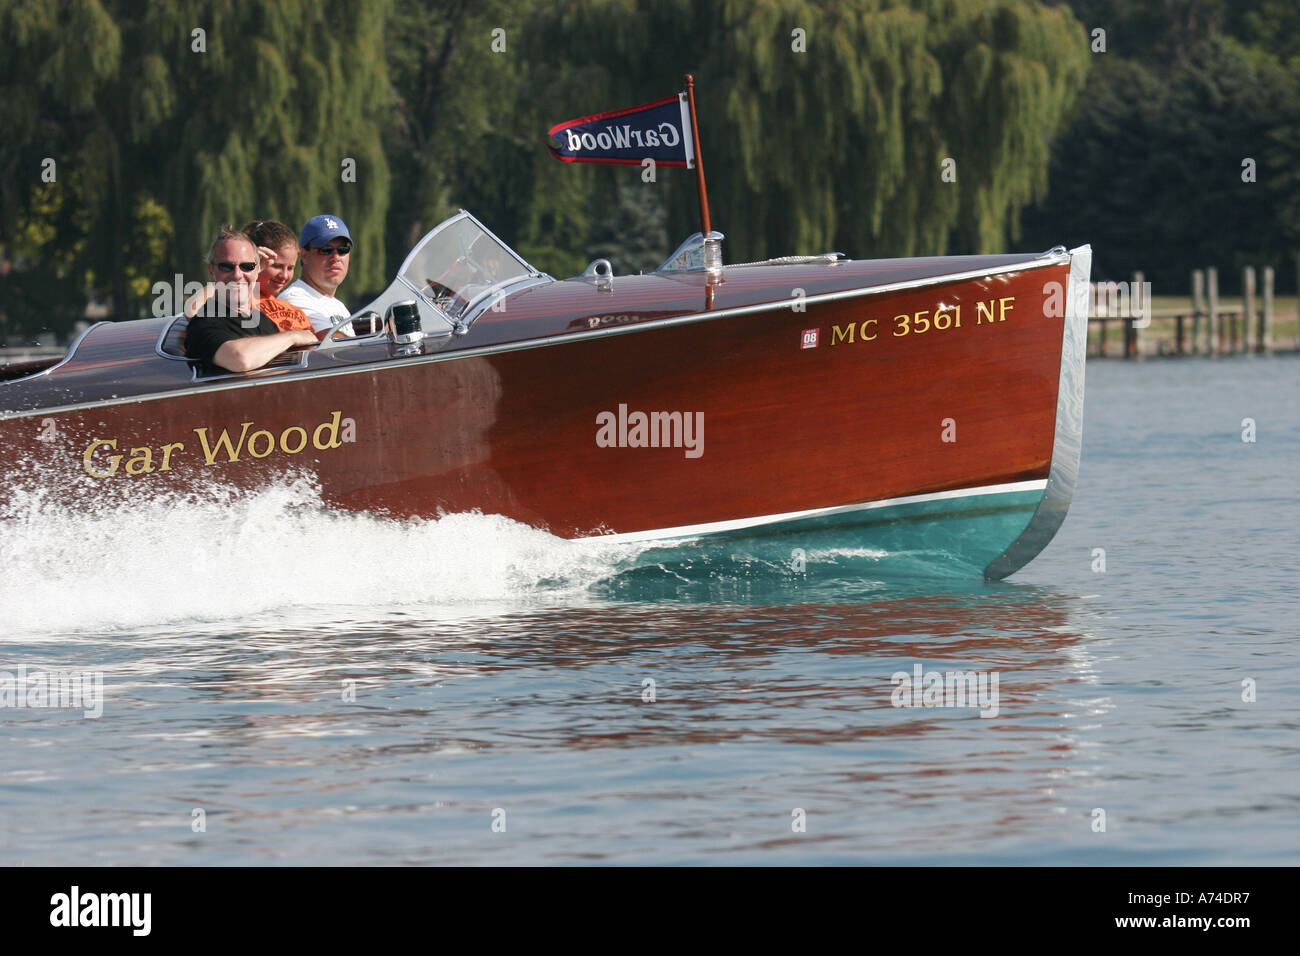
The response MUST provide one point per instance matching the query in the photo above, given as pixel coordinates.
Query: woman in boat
(277, 247)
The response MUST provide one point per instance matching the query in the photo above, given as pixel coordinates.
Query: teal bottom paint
(953, 537)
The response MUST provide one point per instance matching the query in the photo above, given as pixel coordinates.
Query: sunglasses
(342, 249)
(230, 266)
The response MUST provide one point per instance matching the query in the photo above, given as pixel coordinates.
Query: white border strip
(687, 141)
(713, 527)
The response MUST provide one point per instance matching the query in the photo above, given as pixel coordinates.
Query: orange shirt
(285, 315)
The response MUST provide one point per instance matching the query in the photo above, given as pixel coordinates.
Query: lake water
(287, 685)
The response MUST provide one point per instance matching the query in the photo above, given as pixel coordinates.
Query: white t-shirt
(323, 310)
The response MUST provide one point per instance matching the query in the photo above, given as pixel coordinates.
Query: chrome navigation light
(713, 254)
(405, 337)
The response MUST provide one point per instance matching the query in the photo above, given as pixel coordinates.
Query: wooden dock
(1207, 327)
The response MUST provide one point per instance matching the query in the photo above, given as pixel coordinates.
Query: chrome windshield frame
(402, 288)
(461, 216)
(451, 220)
(484, 301)
(474, 307)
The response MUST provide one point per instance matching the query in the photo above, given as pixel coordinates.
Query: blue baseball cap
(321, 229)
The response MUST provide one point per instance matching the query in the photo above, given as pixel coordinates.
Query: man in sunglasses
(232, 334)
(326, 251)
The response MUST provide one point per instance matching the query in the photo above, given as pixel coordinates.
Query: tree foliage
(1180, 156)
(824, 126)
(840, 143)
(166, 120)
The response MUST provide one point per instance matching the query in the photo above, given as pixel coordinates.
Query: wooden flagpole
(699, 159)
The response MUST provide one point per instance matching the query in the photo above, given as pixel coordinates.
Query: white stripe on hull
(735, 524)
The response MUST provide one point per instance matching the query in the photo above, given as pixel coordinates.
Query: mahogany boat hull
(938, 415)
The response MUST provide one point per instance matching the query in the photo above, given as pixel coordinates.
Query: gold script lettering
(140, 462)
(284, 439)
(114, 460)
(332, 427)
(166, 451)
(252, 443)
(222, 442)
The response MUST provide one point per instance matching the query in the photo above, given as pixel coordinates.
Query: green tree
(1167, 166)
(169, 119)
(59, 59)
(824, 126)
(632, 232)
(475, 94)
(841, 146)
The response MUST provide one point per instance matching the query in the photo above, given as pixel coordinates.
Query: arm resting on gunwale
(254, 351)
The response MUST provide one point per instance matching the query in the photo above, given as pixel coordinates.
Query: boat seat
(173, 342)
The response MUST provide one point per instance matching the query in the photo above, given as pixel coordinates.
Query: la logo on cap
(331, 224)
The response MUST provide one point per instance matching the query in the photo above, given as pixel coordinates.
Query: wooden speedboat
(929, 403)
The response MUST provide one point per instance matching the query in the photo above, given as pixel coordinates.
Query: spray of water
(217, 553)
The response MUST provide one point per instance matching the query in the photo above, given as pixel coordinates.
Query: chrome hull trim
(1068, 441)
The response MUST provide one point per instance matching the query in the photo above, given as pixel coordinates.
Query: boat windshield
(460, 262)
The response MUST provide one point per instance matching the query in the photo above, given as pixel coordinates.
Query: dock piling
(1212, 313)
(1198, 309)
(1247, 308)
(1264, 338)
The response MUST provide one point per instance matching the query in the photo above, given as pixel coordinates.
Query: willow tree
(833, 126)
(59, 58)
(475, 94)
(274, 110)
(182, 116)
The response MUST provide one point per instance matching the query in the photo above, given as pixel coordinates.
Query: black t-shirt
(207, 333)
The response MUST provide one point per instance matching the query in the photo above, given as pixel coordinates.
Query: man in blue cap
(326, 248)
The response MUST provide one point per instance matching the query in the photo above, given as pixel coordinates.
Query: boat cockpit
(457, 271)
(454, 274)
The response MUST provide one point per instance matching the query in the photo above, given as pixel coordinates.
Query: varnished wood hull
(880, 418)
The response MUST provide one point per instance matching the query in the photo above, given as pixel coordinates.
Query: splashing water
(218, 553)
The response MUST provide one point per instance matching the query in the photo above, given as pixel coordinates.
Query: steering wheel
(442, 296)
